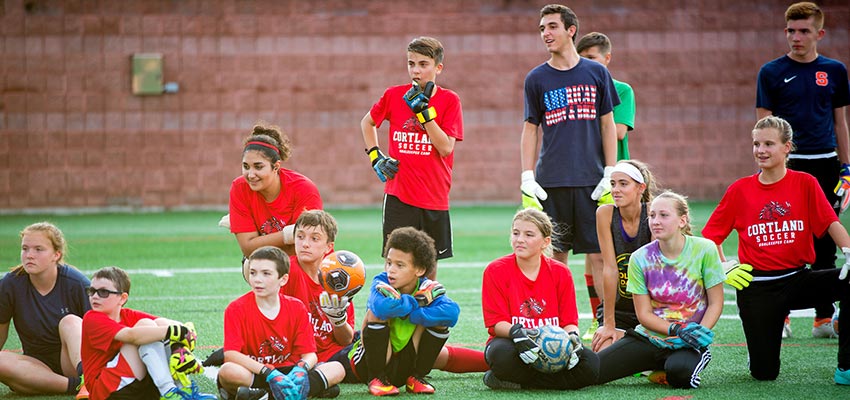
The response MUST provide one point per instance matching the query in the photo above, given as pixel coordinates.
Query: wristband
(427, 115)
(303, 364)
(373, 153)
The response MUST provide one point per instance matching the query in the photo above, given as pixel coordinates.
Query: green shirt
(624, 113)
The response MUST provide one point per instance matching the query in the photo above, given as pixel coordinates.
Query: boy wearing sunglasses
(130, 354)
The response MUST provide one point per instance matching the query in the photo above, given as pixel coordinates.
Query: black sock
(430, 344)
(80, 368)
(318, 382)
(73, 382)
(376, 339)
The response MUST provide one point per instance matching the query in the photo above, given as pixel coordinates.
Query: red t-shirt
(280, 341)
(249, 211)
(508, 295)
(302, 287)
(775, 222)
(99, 347)
(424, 178)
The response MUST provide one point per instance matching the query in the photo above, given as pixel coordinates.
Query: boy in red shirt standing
(126, 353)
(425, 122)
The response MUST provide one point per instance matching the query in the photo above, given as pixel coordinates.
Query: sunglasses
(102, 293)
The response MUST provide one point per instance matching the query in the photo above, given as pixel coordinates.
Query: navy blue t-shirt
(567, 106)
(805, 95)
(36, 317)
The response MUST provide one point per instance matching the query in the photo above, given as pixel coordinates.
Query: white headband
(630, 170)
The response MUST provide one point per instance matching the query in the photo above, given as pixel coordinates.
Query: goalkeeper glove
(428, 291)
(182, 334)
(335, 307)
(385, 167)
(388, 291)
(417, 100)
(575, 347)
(842, 189)
(606, 198)
(280, 385)
(737, 275)
(692, 333)
(846, 267)
(526, 347)
(224, 222)
(531, 191)
(604, 184)
(298, 376)
(181, 363)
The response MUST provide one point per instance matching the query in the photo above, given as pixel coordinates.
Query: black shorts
(144, 389)
(52, 360)
(397, 370)
(622, 319)
(436, 223)
(574, 214)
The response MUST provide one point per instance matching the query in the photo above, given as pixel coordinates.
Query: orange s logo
(821, 78)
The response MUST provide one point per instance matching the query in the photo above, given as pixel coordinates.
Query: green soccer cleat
(588, 336)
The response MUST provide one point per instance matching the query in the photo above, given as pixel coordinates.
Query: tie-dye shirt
(676, 288)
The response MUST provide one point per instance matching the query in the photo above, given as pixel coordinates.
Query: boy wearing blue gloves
(407, 319)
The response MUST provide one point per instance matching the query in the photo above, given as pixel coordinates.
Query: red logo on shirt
(532, 308)
(271, 225)
(773, 210)
(821, 78)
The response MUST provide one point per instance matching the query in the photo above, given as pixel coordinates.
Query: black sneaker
(492, 382)
(249, 393)
(215, 359)
(329, 393)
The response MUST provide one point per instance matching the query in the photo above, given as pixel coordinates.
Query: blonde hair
(680, 204)
(543, 223)
(53, 234)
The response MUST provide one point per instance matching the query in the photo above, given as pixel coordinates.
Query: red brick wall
(73, 135)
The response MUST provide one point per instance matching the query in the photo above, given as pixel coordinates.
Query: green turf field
(183, 266)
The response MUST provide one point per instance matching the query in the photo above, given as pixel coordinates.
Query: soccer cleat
(822, 328)
(82, 391)
(215, 359)
(786, 328)
(249, 393)
(329, 393)
(658, 377)
(418, 385)
(842, 376)
(588, 336)
(492, 382)
(176, 393)
(380, 387)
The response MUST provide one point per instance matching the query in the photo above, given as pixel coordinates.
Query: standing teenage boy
(425, 122)
(810, 91)
(571, 99)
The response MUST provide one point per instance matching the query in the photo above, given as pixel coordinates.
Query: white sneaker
(822, 329)
(786, 328)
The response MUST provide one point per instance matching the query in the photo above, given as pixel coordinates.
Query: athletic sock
(73, 382)
(591, 292)
(318, 382)
(376, 340)
(156, 362)
(430, 344)
(463, 360)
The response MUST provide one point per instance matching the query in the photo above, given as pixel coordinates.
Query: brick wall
(73, 135)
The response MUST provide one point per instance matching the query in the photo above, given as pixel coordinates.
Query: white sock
(156, 360)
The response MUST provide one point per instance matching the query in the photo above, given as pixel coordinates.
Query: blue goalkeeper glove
(298, 376)
(280, 385)
(668, 342)
(417, 99)
(385, 167)
(531, 191)
(604, 184)
(428, 291)
(692, 333)
(524, 344)
(842, 189)
(737, 275)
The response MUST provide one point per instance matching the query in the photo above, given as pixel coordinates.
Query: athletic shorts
(52, 360)
(436, 223)
(117, 379)
(622, 319)
(400, 367)
(574, 214)
(144, 389)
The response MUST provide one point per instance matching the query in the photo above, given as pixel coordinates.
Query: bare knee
(333, 371)
(232, 375)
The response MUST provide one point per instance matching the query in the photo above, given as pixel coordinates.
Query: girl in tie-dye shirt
(676, 282)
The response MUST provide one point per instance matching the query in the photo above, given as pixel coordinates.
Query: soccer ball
(555, 349)
(342, 273)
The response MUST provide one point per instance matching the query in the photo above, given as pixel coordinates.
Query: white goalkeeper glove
(846, 267)
(335, 307)
(224, 222)
(532, 192)
(604, 185)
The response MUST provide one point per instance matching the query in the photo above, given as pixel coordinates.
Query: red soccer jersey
(249, 211)
(303, 288)
(424, 178)
(99, 347)
(508, 295)
(280, 341)
(775, 222)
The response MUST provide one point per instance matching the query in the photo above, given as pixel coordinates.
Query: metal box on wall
(147, 74)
